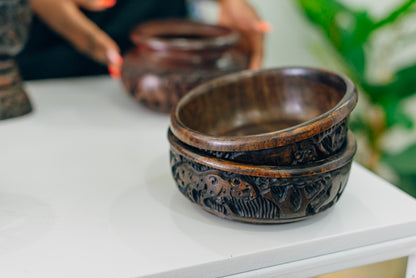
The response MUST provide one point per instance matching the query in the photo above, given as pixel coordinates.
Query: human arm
(66, 18)
(241, 16)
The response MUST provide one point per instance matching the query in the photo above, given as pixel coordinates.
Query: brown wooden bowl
(260, 194)
(283, 116)
(171, 57)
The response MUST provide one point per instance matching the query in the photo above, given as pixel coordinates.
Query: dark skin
(239, 15)
(66, 18)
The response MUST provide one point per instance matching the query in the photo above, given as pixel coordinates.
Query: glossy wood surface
(256, 110)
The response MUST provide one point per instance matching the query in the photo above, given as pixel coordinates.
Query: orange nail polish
(264, 26)
(114, 71)
(106, 3)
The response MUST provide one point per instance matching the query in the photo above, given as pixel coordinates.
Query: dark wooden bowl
(284, 116)
(260, 194)
(172, 57)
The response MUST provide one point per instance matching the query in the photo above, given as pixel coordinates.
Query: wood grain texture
(285, 105)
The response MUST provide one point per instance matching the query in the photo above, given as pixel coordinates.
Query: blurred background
(374, 43)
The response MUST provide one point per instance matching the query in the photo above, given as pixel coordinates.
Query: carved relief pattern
(331, 140)
(257, 199)
(315, 148)
(15, 18)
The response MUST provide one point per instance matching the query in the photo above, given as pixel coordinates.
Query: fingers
(241, 16)
(116, 61)
(256, 51)
(263, 26)
(95, 5)
(257, 43)
(65, 17)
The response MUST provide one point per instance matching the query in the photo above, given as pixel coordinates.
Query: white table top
(86, 191)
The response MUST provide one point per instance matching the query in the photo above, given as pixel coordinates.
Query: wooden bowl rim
(333, 162)
(224, 38)
(265, 140)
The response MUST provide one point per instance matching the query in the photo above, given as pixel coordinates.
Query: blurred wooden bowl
(173, 56)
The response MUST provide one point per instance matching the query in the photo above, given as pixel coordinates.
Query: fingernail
(115, 63)
(106, 3)
(114, 71)
(264, 26)
(114, 57)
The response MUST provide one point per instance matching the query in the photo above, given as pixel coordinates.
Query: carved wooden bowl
(284, 116)
(171, 57)
(260, 194)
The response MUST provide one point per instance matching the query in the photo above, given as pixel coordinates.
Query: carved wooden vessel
(284, 116)
(15, 18)
(260, 194)
(173, 56)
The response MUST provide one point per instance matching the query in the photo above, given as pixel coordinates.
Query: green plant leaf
(348, 30)
(358, 124)
(390, 96)
(345, 28)
(404, 83)
(404, 162)
(408, 184)
(394, 115)
(393, 16)
(403, 120)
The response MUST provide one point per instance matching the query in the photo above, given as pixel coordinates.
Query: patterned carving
(312, 149)
(257, 199)
(15, 18)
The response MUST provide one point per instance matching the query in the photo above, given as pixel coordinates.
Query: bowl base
(268, 221)
(14, 102)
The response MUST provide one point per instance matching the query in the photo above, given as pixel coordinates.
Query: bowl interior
(177, 29)
(260, 102)
(177, 34)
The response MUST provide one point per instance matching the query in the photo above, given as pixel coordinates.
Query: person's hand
(66, 18)
(241, 16)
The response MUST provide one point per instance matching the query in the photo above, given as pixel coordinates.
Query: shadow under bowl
(260, 194)
(283, 116)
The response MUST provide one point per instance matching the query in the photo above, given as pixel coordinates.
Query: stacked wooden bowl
(268, 146)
